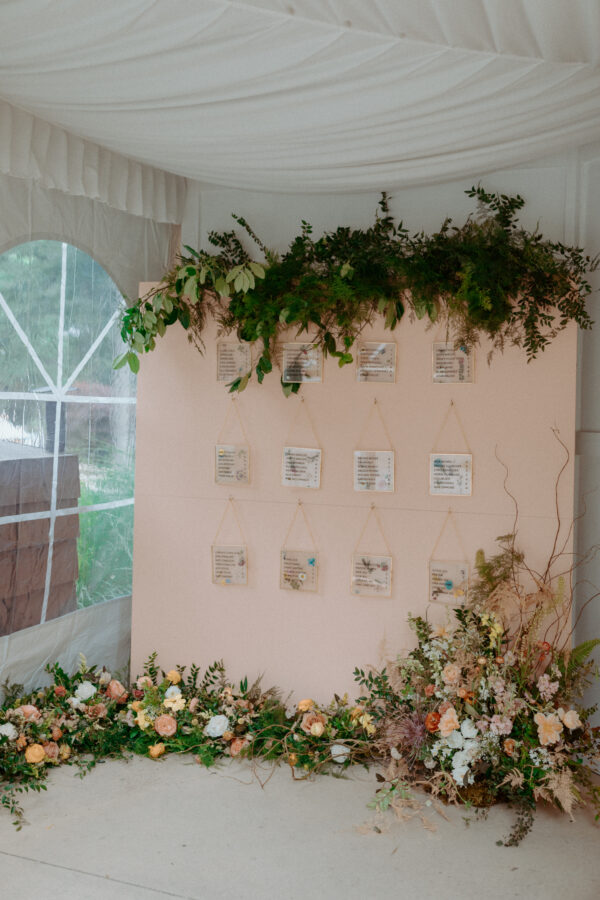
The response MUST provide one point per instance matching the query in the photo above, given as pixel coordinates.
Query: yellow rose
(175, 703)
(356, 712)
(35, 753)
(317, 729)
(174, 676)
(137, 705)
(305, 705)
(156, 750)
(367, 723)
(64, 751)
(142, 720)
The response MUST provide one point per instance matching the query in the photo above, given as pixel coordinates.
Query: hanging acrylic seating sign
(232, 461)
(301, 466)
(229, 561)
(232, 464)
(371, 574)
(299, 568)
(451, 474)
(448, 581)
(233, 360)
(376, 361)
(302, 363)
(452, 364)
(374, 469)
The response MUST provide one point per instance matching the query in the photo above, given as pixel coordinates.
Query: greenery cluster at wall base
(489, 278)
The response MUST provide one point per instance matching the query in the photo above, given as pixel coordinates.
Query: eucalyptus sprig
(489, 278)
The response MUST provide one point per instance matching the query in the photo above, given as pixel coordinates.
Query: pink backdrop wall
(311, 642)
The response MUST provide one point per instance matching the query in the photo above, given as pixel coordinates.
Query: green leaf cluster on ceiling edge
(489, 278)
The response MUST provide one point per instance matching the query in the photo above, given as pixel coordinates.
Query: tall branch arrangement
(489, 278)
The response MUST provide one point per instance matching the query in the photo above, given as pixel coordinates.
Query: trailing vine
(489, 278)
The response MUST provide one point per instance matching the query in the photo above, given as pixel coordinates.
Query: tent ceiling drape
(310, 95)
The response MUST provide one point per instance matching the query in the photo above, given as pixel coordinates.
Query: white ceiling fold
(310, 95)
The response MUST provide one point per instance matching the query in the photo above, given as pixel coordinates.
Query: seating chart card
(452, 364)
(371, 575)
(373, 470)
(448, 582)
(450, 474)
(299, 570)
(301, 467)
(233, 360)
(232, 464)
(229, 564)
(376, 361)
(302, 363)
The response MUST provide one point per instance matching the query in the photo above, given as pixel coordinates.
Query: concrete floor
(147, 830)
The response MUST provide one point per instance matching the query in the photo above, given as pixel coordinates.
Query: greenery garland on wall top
(489, 278)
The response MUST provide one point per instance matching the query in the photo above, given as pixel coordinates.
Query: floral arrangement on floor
(485, 709)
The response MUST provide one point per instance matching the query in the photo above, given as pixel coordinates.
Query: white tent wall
(562, 194)
(56, 187)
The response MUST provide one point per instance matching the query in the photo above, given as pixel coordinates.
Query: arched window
(67, 436)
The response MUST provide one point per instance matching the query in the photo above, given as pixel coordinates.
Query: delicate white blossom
(9, 731)
(217, 726)
(172, 691)
(85, 691)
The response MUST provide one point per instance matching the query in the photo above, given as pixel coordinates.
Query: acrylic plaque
(448, 581)
(299, 570)
(302, 363)
(373, 470)
(229, 564)
(371, 575)
(232, 464)
(301, 467)
(376, 361)
(452, 364)
(451, 474)
(233, 360)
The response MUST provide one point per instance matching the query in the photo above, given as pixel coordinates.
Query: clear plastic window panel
(67, 437)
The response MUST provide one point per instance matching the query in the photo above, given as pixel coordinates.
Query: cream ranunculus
(174, 676)
(85, 691)
(549, 728)
(450, 673)
(571, 720)
(174, 703)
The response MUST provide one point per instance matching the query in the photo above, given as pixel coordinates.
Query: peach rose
(35, 753)
(305, 705)
(136, 706)
(60, 690)
(98, 711)
(193, 704)
(432, 720)
(571, 720)
(56, 733)
(143, 682)
(116, 691)
(461, 692)
(165, 725)
(309, 720)
(237, 745)
(450, 674)
(51, 749)
(30, 713)
(449, 722)
(509, 746)
(156, 750)
(317, 729)
(21, 742)
(446, 705)
(174, 676)
(429, 690)
(64, 751)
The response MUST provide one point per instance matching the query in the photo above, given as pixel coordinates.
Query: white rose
(339, 753)
(9, 731)
(455, 740)
(74, 702)
(217, 726)
(85, 691)
(468, 729)
(173, 691)
(571, 719)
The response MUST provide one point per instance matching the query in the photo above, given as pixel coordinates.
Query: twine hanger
(303, 406)
(374, 408)
(373, 512)
(451, 409)
(300, 509)
(230, 505)
(233, 407)
(449, 517)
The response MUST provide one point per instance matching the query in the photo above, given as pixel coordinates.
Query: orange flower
(156, 750)
(429, 690)
(509, 746)
(305, 705)
(137, 705)
(462, 693)
(98, 711)
(116, 691)
(450, 673)
(30, 713)
(35, 753)
(64, 752)
(228, 735)
(444, 707)
(174, 676)
(60, 690)
(21, 742)
(448, 722)
(51, 749)
(432, 720)
(499, 660)
(237, 745)
(165, 725)
(56, 733)
(292, 759)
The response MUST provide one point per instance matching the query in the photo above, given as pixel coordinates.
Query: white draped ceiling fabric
(308, 95)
